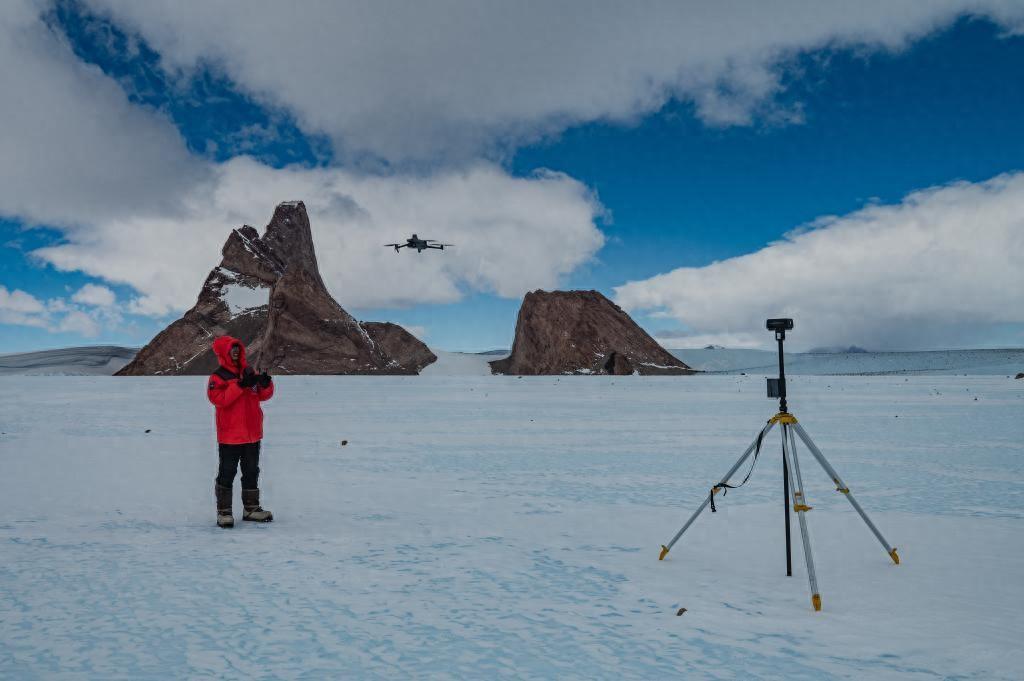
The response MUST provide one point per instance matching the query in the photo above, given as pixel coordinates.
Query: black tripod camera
(777, 386)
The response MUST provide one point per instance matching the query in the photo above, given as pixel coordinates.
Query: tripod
(791, 474)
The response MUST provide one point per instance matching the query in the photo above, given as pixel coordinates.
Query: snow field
(494, 527)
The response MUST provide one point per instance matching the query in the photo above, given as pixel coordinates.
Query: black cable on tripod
(725, 487)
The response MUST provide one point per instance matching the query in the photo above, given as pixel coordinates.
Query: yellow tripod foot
(664, 552)
(816, 602)
(895, 556)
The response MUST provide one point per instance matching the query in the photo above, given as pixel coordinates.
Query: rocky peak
(290, 238)
(245, 253)
(268, 293)
(286, 244)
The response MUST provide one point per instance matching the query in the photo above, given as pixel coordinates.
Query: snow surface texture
(100, 360)
(497, 527)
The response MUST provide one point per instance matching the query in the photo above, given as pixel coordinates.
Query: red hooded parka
(239, 416)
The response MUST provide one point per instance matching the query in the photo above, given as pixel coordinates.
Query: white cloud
(21, 309)
(510, 234)
(95, 295)
(55, 315)
(453, 78)
(21, 319)
(941, 267)
(686, 340)
(57, 305)
(77, 321)
(20, 302)
(418, 331)
(74, 148)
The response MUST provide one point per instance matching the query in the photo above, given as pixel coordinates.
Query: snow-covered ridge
(98, 360)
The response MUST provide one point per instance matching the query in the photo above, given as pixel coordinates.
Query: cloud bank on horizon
(943, 264)
(421, 104)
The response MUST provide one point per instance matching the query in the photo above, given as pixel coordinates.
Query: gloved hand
(248, 379)
(264, 379)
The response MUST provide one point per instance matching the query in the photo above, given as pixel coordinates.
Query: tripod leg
(842, 487)
(800, 507)
(665, 548)
(785, 502)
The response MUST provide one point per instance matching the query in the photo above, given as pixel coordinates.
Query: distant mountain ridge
(1006, 362)
(837, 350)
(90, 360)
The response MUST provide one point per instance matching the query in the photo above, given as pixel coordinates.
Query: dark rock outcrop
(268, 293)
(394, 341)
(1020, 375)
(582, 332)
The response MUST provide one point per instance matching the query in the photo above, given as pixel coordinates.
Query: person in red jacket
(236, 391)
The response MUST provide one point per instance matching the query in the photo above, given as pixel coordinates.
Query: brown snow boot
(224, 517)
(251, 503)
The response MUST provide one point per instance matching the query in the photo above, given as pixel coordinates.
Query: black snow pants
(230, 456)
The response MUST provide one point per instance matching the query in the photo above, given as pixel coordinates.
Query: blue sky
(847, 128)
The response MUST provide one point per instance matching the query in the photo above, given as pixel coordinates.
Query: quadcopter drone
(419, 244)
